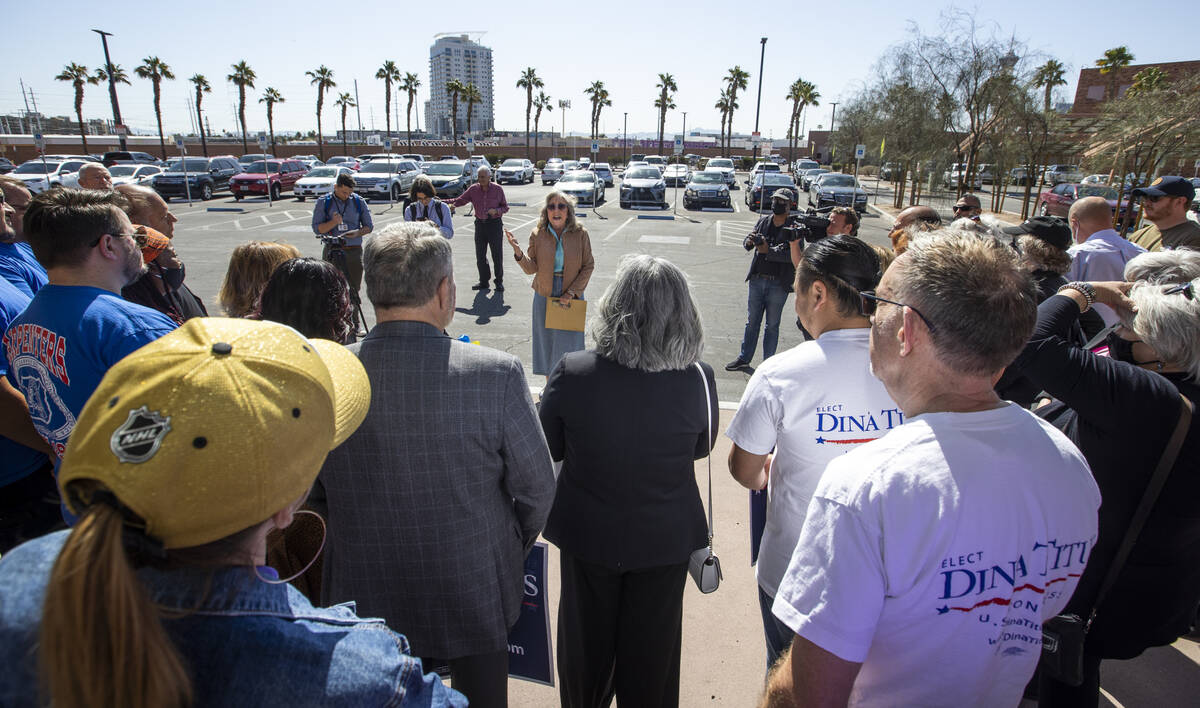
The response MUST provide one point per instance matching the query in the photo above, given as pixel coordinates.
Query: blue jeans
(766, 295)
(778, 635)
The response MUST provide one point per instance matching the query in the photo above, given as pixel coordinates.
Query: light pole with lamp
(112, 88)
(682, 150)
(625, 139)
(832, 118)
(758, 104)
(563, 105)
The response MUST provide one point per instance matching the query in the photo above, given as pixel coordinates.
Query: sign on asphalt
(860, 151)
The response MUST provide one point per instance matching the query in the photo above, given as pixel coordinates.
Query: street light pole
(832, 117)
(758, 106)
(112, 88)
(625, 139)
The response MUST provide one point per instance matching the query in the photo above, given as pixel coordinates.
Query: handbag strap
(1165, 463)
(708, 441)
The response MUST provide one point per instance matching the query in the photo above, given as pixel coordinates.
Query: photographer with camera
(770, 275)
(425, 206)
(341, 219)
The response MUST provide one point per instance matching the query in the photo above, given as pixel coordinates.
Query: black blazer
(627, 496)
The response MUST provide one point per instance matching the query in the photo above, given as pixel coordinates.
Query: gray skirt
(549, 345)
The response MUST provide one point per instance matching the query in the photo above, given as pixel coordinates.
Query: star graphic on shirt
(820, 441)
(943, 609)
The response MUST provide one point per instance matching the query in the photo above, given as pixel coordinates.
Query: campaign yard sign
(530, 656)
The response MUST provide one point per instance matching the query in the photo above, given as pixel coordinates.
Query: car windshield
(777, 180)
(1096, 190)
(191, 165)
(323, 172)
(336, 160)
(261, 166)
(383, 166)
(708, 178)
(36, 168)
(513, 163)
(601, 167)
(768, 167)
(720, 163)
(122, 170)
(578, 177)
(251, 158)
(838, 181)
(655, 161)
(445, 168)
(643, 173)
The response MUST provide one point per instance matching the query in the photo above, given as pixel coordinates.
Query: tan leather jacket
(577, 261)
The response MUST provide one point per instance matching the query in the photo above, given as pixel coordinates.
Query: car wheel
(237, 197)
(1045, 210)
(395, 192)
(206, 192)
(624, 205)
(299, 199)
(276, 192)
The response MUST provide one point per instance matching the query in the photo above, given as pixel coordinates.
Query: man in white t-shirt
(930, 558)
(810, 404)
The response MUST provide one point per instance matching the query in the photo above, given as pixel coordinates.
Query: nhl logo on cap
(139, 437)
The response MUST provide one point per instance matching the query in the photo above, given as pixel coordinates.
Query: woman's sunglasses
(556, 207)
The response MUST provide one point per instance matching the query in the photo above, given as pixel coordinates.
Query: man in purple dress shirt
(490, 206)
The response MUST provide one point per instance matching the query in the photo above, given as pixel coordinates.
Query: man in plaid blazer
(436, 499)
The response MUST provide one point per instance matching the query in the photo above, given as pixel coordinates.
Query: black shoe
(479, 286)
(499, 287)
(736, 365)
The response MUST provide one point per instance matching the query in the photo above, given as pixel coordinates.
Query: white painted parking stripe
(666, 240)
(623, 225)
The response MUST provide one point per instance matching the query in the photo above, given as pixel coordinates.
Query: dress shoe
(736, 365)
(479, 286)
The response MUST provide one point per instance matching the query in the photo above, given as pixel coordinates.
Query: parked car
(204, 176)
(128, 157)
(725, 166)
(889, 171)
(552, 170)
(656, 161)
(40, 175)
(951, 177)
(637, 163)
(477, 161)
(707, 188)
(415, 157)
(643, 186)
(351, 162)
(277, 175)
(6, 166)
(805, 164)
(585, 163)
(319, 181)
(377, 156)
(984, 172)
(837, 189)
(515, 170)
(133, 174)
(586, 186)
(1095, 179)
(807, 177)
(386, 179)
(605, 171)
(676, 175)
(764, 185)
(252, 157)
(1196, 202)
(1019, 176)
(761, 166)
(1057, 174)
(450, 177)
(1057, 200)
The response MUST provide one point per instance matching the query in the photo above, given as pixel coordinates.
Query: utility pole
(832, 117)
(758, 105)
(625, 139)
(112, 89)
(358, 109)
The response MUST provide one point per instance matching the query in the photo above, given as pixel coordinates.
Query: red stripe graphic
(1005, 601)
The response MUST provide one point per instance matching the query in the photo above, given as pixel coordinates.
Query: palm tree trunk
(345, 150)
(242, 117)
(535, 137)
(162, 145)
(528, 110)
(271, 124)
(408, 121)
(320, 141)
(79, 114)
(662, 124)
(387, 106)
(199, 121)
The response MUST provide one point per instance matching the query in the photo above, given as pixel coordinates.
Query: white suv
(384, 179)
(724, 165)
(515, 170)
(552, 171)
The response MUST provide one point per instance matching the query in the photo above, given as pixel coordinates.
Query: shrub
(541, 165)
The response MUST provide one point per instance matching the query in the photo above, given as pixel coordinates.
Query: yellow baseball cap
(214, 427)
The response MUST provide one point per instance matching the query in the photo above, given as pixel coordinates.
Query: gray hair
(647, 319)
(482, 169)
(1170, 324)
(404, 263)
(1036, 255)
(1177, 266)
(974, 292)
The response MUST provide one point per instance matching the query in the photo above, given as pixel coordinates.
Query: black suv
(121, 157)
(204, 175)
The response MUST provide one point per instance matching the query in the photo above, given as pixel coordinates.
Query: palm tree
(1049, 75)
(541, 103)
(322, 78)
(156, 70)
(345, 101)
(802, 94)
(473, 96)
(735, 79)
(599, 98)
(78, 76)
(388, 73)
(666, 84)
(793, 95)
(529, 81)
(119, 75)
(243, 77)
(202, 87)
(454, 89)
(271, 97)
(722, 105)
(409, 85)
(1113, 59)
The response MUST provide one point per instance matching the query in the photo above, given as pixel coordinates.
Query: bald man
(1099, 253)
(161, 285)
(93, 175)
(921, 216)
(968, 206)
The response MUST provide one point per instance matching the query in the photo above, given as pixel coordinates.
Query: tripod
(337, 256)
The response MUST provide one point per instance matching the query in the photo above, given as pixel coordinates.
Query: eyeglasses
(556, 206)
(1186, 288)
(138, 238)
(869, 299)
(964, 207)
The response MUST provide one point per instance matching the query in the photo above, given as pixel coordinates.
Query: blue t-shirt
(16, 461)
(63, 344)
(354, 211)
(19, 267)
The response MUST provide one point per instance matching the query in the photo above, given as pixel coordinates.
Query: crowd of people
(986, 427)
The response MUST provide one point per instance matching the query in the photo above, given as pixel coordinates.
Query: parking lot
(706, 244)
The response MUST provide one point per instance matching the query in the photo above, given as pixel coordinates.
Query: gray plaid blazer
(435, 500)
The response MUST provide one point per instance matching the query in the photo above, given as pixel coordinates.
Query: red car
(1058, 201)
(282, 175)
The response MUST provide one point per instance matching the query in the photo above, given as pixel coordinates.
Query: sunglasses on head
(1186, 289)
(556, 206)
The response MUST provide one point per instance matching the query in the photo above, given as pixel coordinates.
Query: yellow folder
(568, 318)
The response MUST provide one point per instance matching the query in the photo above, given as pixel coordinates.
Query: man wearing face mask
(161, 285)
(770, 277)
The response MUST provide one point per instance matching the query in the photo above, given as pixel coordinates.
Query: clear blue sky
(833, 45)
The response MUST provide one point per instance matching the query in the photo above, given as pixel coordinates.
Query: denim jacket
(245, 642)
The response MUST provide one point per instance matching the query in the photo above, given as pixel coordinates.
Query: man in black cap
(1165, 204)
(1053, 232)
(770, 277)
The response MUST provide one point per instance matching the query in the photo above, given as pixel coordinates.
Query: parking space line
(623, 225)
(736, 209)
(665, 240)
(718, 232)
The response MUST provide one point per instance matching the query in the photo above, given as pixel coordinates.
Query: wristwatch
(1086, 289)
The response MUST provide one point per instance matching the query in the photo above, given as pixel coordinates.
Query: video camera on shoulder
(811, 225)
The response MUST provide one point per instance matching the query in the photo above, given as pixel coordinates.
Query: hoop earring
(306, 567)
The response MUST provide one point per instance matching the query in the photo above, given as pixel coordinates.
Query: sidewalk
(888, 214)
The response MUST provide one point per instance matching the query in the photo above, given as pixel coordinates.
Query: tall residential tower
(455, 56)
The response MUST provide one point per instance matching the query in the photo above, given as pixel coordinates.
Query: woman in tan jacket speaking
(559, 258)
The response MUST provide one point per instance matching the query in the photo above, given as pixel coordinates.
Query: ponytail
(102, 642)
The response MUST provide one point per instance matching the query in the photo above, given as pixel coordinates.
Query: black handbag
(1064, 636)
(703, 565)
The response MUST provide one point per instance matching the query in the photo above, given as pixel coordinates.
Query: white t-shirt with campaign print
(934, 555)
(812, 404)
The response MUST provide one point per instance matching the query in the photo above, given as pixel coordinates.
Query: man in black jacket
(770, 277)
(161, 285)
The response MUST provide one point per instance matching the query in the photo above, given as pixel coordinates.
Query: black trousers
(29, 508)
(489, 233)
(619, 633)
(482, 678)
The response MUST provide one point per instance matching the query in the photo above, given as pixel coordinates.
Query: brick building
(1090, 93)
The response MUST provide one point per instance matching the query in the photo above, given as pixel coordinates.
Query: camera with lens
(333, 241)
(812, 225)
